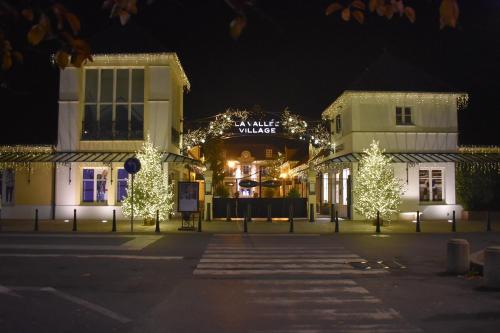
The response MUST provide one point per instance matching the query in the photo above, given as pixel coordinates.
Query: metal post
(453, 223)
(74, 220)
(132, 207)
(332, 213)
(418, 221)
(157, 229)
(249, 211)
(377, 230)
(36, 220)
(269, 218)
(209, 217)
(311, 213)
(245, 219)
(199, 223)
(336, 221)
(114, 221)
(228, 211)
(488, 221)
(290, 217)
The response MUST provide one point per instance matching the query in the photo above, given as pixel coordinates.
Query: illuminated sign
(257, 126)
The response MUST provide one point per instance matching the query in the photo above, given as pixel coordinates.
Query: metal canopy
(89, 157)
(424, 158)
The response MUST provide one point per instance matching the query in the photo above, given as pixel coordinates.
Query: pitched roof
(389, 73)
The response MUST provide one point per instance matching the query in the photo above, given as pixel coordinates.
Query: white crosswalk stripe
(306, 285)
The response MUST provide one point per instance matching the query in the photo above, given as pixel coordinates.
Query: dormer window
(403, 115)
(113, 104)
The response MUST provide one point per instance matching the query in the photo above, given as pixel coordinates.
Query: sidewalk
(260, 226)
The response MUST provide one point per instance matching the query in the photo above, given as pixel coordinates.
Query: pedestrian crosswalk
(304, 285)
(234, 255)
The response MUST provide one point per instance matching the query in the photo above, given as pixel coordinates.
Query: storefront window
(325, 188)
(345, 175)
(121, 185)
(431, 184)
(337, 184)
(7, 181)
(94, 185)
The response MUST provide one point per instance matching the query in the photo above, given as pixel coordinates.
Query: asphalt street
(233, 283)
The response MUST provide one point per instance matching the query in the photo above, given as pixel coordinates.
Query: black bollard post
(332, 213)
(488, 221)
(418, 221)
(36, 220)
(249, 211)
(209, 217)
(269, 218)
(228, 211)
(311, 213)
(114, 221)
(377, 230)
(157, 229)
(199, 222)
(245, 220)
(453, 223)
(336, 221)
(74, 220)
(290, 217)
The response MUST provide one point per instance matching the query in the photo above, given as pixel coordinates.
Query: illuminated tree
(376, 188)
(151, 189)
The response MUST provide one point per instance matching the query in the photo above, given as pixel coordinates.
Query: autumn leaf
(358, 16)
(410, 14)
(236, 26)
(124, 17)
(332, 8)
(346, 14)
(448, 13)
(77, 59)
(6, 61)
(389, 11)
(73, 22)
(18, 56)
(372, 5)
(62, 59)
(358, 4)
(36, 34)
(381, 9)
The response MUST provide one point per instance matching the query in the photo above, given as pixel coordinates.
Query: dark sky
(290, 55)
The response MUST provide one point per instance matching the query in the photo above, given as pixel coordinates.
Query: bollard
(377, 229)
(336, 221)
(311, 213)
(199, 223)
(209, 217)
(249, 212)
(269, 218)
(488, 221)
(457, 256)
(245, 225)
(453, 223)
(74, 220)
(157, 229)
(36, 220)
(290, 218)
(418, 221)
(491, 270)
(332, 213)
(114, 221)
(228, 212)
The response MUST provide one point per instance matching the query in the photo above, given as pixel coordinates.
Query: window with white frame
(345, 175)
(7, 182)
(403, 115)
(269, 153)
(95, 185)
(121, 185)
(325, 188)
(113, 104)
(431, 185)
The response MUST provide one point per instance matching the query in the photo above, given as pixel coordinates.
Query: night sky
(290, 55)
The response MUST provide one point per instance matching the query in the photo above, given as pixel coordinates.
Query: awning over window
(66, 157)
(424, 158)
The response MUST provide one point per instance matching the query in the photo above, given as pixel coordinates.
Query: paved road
(235, 283)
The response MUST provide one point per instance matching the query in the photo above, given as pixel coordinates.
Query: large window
(269, 153)
(403, 115)
(431, 184)
(95, 185)
(7, 181)
(121, 185)
(337, 185)
(345, 175)
(325, 188)
(114, 104)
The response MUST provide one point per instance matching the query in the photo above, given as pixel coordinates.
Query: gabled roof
(389, 73)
